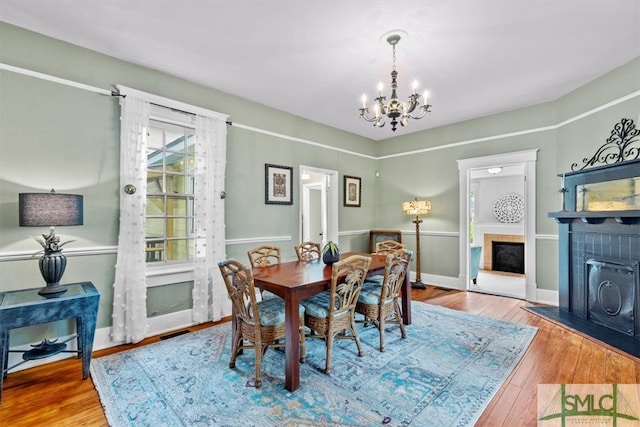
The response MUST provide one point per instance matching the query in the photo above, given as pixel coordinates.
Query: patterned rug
(445, 373)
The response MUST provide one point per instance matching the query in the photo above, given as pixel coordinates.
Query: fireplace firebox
(507, 257)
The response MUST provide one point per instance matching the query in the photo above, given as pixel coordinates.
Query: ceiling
(315, 59)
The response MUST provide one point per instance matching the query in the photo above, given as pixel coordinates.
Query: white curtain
(209, 217)
(129, 289)
(210, 301)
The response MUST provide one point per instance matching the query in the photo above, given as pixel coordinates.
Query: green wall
(57, 136)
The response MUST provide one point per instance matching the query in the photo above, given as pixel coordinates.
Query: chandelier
(398, 111)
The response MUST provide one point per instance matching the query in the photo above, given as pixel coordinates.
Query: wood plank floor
(55, 395)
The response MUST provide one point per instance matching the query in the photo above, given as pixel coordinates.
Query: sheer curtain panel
(129, 289)
(209, 295)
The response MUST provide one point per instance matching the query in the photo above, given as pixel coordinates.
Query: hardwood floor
(55, 395)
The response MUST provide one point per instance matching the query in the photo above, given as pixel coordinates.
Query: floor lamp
(416, 208)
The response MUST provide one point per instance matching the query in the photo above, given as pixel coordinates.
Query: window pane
(156, 138)
(154, 228)
(176, 206)
(180, 249)
(155, 206)
(177, 227)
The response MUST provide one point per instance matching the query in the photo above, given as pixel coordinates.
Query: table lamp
(417, 208)
(49, 210)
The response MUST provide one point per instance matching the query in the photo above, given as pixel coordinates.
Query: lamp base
(52, 290)
(418, 285)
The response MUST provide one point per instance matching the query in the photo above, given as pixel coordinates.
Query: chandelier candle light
(417, 208)
(394, 109)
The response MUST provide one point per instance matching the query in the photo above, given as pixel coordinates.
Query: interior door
(319, 204)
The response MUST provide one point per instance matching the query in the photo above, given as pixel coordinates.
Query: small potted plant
(330, 252)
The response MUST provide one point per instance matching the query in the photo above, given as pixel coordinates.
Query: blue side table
(25, 307)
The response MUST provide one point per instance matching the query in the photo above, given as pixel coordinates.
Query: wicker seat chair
(258, 324)
(263, 256)
(378, 301)
(330, 314)
(388, 246)
(308, 251)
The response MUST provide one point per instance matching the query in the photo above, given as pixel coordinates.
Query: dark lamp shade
(49, 209)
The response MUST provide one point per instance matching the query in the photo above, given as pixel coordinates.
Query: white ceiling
(315, 59)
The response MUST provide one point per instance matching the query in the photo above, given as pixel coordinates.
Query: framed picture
(277, 185)
(352, 191)
(376, 236)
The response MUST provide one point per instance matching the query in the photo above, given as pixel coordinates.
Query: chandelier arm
(363, 114)
(424, 109)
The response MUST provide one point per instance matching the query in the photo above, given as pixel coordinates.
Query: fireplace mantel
(621, 217)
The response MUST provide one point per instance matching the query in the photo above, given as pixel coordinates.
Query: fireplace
(599, 256)
(508, 251)
(507, 257)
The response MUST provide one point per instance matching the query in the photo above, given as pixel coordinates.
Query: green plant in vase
(330, 252)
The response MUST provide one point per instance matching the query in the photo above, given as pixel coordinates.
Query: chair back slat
(396, 266)
(388, 246)
(264, 256)
(307, 251)
(346, 282)
(239, 282)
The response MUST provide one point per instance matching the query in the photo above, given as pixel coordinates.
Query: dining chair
(379, 302)
(259, 324)
(330, 314)
(263, 256)
(388, 246)
(308, 251)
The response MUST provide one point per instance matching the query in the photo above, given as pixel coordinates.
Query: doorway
(318, 204)
(497, 230)
(475, 226)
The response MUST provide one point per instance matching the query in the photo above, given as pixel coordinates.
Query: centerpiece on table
(330, 252)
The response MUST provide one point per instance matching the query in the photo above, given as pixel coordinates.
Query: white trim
(111, 250)
(528, 158)
(69, 252)
(302, 140)
(547, 236)
(253, 240)
(432, 233)
(316, 144)
(157, 325)
(447, 282)
(353, 232)
(54, 79)
(549, 297)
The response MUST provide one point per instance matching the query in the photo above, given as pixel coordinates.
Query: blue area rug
(444, 374)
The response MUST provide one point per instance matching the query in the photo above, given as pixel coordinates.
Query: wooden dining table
(297, 280)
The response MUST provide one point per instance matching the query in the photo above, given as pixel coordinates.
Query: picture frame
(352, 191)
(377, 236)
(278, 188)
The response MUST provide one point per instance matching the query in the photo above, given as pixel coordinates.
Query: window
(169, 213)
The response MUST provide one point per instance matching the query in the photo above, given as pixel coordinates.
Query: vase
(52, 265)
(330, 257)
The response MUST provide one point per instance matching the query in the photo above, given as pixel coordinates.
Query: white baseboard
(102, 339)
(545, 296)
